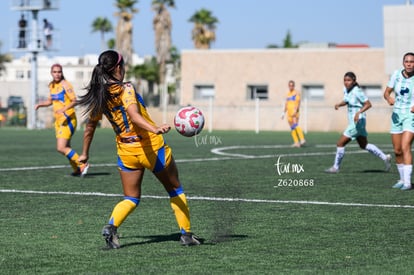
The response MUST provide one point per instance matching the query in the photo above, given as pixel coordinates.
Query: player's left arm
(365, 107)
(298, 103)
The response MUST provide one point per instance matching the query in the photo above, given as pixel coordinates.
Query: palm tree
(149, 71)
(102, 25)
(123, 40)
(162, 28)
(203, 33)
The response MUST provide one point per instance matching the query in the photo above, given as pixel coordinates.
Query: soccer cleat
(296, 145)
(188, 239)
(398, 185)
(111, 237)
(387, 162)
(83, 169)
(302, 142)
(406, 187)
(332, 170)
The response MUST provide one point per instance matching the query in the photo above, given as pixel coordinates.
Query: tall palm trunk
(123, 42)
(162, 27)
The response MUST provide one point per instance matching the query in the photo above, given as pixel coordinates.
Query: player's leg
(339, 155)
(131, 183)
(293, 125)
(406, 142)
(373, 149)
(399, 160)
(167, 173)
(64, 133)
(63, 147)
(299, 131)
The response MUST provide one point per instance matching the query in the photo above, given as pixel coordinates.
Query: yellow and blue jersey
(129, 138)
(62, 94)
(292, 102)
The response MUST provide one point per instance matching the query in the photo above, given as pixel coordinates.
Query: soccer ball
(189, 121)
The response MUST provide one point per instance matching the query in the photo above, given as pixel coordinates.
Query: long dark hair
(352, 76)
(97, 96)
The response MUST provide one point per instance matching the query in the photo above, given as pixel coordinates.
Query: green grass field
(255, 219)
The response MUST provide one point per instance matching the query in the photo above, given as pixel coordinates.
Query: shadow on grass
(176, 237)
(374, 171)
(92, 175)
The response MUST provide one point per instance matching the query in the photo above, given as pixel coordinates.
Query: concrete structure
(244, 89)
(398, 34)
(225, 84)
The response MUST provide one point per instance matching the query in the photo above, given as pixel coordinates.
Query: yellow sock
(121, 211)
(181, 211)
(294, 136)
(73, 159)
(300, 133)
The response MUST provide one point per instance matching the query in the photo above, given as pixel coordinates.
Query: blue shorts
(402, 123)
(356, 130)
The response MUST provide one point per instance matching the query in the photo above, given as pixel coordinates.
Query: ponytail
(97, 96)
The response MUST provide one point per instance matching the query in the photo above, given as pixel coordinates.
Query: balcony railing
(32, 5)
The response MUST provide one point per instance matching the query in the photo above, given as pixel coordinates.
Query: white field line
(99, 194)
(218, 151)
(221, 151)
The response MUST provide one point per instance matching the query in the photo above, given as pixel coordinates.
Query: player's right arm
(45, 103)
(142, 123)
(388, 97)
(340, 104)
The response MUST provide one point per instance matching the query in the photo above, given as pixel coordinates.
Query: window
(313, 92)
(373, 92)
(204, 92)
(19, 74)
(257, 91)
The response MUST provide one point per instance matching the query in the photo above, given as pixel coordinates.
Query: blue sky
(243, 24)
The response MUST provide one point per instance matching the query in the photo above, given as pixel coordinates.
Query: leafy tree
(203, 33)
(287, 42)
(123, 40)
(111, 43)
(148, 72)
(102, 25)
(3, 59)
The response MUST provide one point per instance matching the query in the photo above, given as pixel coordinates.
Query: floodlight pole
(34, 48)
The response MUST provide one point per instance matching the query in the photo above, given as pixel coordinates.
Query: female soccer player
(63, 99)
(139, 141)
(357, 104)
(402, 129)
(292, 106)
